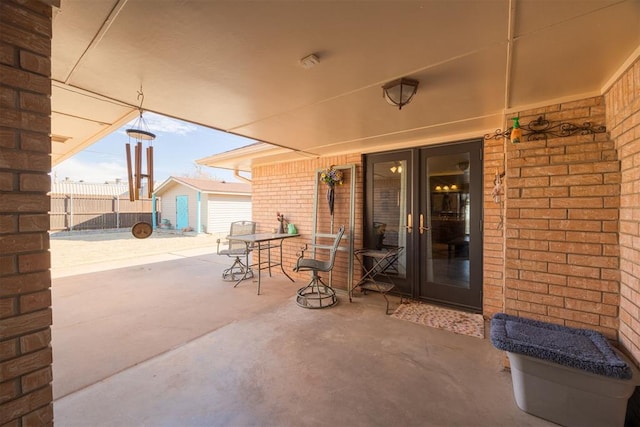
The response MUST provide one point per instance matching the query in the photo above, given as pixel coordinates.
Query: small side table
(381, 261)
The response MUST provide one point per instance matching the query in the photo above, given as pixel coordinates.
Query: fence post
(117, 212)
(70, 212)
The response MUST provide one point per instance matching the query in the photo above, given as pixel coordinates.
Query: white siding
(204, 213)
(168, 202)
(225, 209)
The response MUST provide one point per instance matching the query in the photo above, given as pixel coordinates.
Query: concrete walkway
(165, 342)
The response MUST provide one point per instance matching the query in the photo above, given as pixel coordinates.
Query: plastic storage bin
(570, 376)
(569, 396)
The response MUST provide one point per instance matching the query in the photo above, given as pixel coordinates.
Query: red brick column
(623, 121)
(25, 298)
(493, 229)
(561, 227)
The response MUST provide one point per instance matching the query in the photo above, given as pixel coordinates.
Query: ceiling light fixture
(400, 92)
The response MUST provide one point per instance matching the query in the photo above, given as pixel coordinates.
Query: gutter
(236, 174)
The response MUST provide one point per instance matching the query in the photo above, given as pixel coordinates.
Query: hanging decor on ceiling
(138, 133)
(541, 129)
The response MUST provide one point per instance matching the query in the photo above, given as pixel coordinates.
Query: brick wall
(561, 223)
(25, 298)
(288, 188)
(623, 122)
(493, 232)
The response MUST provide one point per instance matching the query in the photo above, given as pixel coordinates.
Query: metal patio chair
(317, 294)
(240, 269)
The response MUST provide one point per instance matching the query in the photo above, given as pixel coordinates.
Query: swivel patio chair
(240, 269)
(317, 294)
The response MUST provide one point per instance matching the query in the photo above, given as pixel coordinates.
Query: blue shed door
(182, 212)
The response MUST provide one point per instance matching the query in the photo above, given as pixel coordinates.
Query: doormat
(456, 321)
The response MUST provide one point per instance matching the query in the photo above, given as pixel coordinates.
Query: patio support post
(198, 214)
(153, 211)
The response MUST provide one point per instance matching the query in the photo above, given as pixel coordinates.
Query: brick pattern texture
(493, 298)
(561, 223)
(25, 281)
(288, 188)
(623, 122)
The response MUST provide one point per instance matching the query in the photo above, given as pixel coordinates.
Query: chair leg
(238, 268)
(316, 294)
(387, 300)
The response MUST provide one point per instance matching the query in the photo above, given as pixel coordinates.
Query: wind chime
(139, 133)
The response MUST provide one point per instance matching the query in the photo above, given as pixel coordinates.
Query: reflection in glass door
(386, 218)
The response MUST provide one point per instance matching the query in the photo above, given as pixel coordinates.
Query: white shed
(203, 205)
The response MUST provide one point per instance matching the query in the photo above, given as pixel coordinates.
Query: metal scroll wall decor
(541, 129)
(139, 133)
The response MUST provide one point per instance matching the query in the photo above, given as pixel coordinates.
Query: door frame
(416, 202)
(468, 298)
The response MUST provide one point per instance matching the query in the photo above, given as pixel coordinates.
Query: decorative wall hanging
(498, 190)
(496, 194)
(541, 129)
(331, 176)
(138, 133)
(282, 221)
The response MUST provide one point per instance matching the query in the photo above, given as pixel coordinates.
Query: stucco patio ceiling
(233, 66)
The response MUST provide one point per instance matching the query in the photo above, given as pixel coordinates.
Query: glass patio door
(450, 235)
(428, 201)
(388, 207)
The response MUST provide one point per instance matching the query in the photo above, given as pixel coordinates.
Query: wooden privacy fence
(97, 212)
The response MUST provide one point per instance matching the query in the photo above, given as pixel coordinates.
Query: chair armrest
(303, 249)
(308, 246)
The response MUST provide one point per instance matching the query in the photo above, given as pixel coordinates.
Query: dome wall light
(400, 92)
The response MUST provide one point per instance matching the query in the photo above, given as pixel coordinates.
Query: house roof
(235, 66)
(240, 159)
(89, 188)
(205, 186)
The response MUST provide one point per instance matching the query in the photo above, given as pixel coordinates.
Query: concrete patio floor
(161, 340)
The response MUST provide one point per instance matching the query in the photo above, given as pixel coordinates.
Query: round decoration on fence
(141, 230)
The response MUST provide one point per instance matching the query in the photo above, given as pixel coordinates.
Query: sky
(177, 146)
